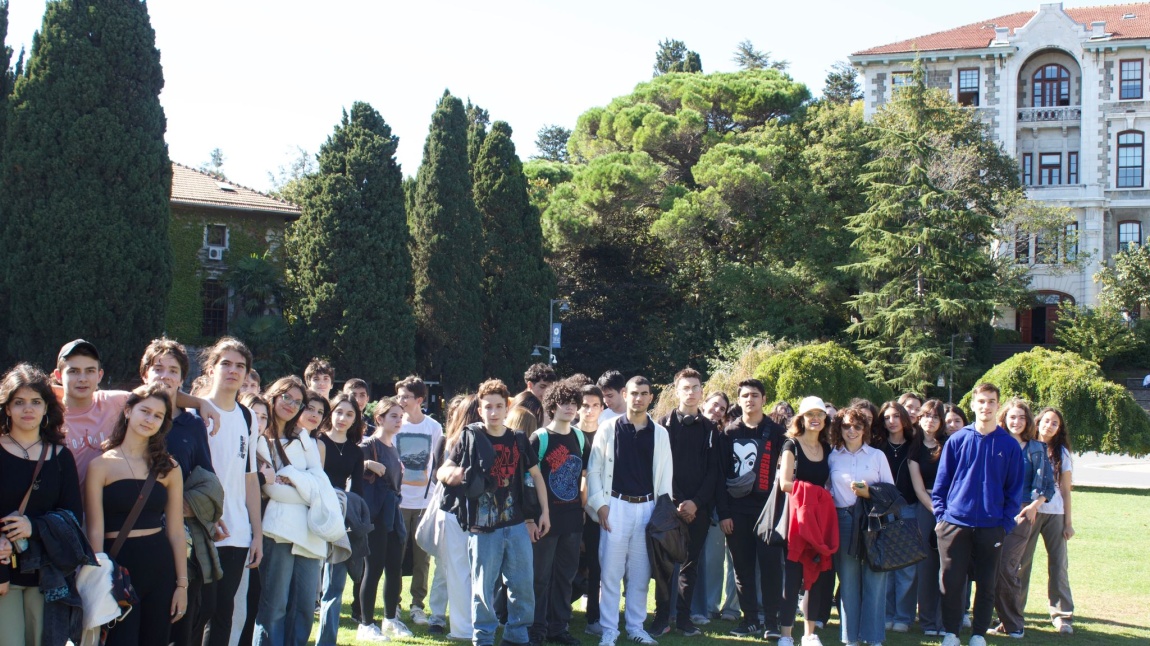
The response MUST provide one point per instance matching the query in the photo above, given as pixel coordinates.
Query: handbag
(122, 589)
(427, 531)
(776, 534)
(892, 542)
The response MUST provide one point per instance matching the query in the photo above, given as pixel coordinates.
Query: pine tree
(937, 190)
(518, 282)
(87, 181)
(477, 121)
(348, 261)
(447, 249)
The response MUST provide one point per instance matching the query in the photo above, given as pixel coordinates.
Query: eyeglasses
(814, 414)
(291, 401)
(929, 416)
(854, 427)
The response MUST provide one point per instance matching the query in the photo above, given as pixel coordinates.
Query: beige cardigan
(601, 467)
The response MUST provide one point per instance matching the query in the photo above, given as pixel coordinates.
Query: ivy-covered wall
(247, 235)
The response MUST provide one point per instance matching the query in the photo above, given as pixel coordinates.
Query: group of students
(524, 503)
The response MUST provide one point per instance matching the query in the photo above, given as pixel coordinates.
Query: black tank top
(119, 498)
(806, 469)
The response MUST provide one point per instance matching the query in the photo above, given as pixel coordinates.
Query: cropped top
(119, 498)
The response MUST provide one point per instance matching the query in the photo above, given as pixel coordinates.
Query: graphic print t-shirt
(414, 442)
(562, 468)
(753, 450)
(502, 507)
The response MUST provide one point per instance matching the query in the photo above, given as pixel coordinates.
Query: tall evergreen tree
(447, 249)
(7, 78)
(842, 85)
(348, 261)
(477, 121)
(87, 181)
(673, 56)
(518, 282)
(938, 188)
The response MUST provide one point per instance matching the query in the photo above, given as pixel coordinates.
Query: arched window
(1130, 158)
(1051, 86)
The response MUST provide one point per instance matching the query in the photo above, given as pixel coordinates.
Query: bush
(827, 370)
(1005, 335)
(1100, 414)
(736, 361)
(1098, 333)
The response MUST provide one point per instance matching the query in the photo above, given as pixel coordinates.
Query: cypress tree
(6, 80)
(447, 243)
(477, 121)
(86, 179)
(518, 283)
(348, 263)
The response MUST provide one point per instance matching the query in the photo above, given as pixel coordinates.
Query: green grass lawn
(1109, 575)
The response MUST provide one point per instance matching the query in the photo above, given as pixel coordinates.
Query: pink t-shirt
(86, 430)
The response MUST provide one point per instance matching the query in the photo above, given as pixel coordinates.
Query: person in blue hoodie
(977, 495)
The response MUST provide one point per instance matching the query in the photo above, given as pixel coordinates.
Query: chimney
(1001, 35)
(1098, 29)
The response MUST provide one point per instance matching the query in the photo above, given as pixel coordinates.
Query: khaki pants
(21, 616)
(1050, 527)
(1008, 586)
(419, 558)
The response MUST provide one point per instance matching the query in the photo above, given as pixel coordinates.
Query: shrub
(1100, 414)
(1095, 333)
(1005, 335)
(827, 370)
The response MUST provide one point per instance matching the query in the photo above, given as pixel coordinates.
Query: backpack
(541, 436)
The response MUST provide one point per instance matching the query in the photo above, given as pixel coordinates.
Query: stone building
(1065, 92)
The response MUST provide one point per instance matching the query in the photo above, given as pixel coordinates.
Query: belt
(625, 498)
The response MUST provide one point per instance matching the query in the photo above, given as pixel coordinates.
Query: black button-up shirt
(634, 458)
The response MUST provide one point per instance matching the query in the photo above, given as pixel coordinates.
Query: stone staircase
(1140, 394)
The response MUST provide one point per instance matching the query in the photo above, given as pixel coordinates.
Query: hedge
(827, 370)
(1100, 414)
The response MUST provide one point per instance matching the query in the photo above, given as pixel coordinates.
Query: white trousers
(623, 555)
(451, 582)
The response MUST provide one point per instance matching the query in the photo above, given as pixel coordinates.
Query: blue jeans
(287, 600)
(505, 554)
(862, 591)
(334, 578)
(902, 585)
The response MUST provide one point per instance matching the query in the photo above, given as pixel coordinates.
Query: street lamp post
(550, 347)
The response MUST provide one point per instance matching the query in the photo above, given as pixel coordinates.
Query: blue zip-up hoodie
(980, 479)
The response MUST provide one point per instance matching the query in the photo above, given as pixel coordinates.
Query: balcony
(1066, 115)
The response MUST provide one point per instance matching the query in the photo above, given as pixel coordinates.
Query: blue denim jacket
(1039, 479)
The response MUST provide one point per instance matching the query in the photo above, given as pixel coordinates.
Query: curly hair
(157, 449)
(25, 375)
(844, 416)
(560, 393)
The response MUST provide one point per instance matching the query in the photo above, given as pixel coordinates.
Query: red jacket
(813, 534)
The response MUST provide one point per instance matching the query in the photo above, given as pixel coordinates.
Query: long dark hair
(25, 375)
(273, 393)
(909, 430)
(355, 432)
(947, 409)
(466, 412)
(157, 450)
(1061, 440)
(313, 396)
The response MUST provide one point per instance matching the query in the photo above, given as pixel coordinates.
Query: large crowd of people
(231, 514)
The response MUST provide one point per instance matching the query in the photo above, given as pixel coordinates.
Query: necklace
(339, 446)
(23, 448)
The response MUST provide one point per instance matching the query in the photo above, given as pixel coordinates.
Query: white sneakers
(812, 640)
(608, 637)
(950, 639)
(786, 641)
(394, 629)
(369, 633)
(977, 640)
(418, 617)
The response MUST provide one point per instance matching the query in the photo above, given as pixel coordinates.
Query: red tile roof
(191, 187)
(980, 34)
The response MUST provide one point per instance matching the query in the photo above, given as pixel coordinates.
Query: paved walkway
(1097, 470)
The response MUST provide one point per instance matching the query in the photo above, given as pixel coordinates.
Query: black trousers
(386, 557)
(247, 634)
(745, 546)
(590, 562)
(153, 575)
(189, 631)
(684, 590)
(817, 602)
(218, 630)
(960, 548)
(556, 558)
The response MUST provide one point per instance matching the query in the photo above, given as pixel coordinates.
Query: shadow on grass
(1117, 490)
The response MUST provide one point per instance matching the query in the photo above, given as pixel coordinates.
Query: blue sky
(259, 78)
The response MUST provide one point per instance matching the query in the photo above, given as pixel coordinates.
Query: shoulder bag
(776, 533)
(892, 542)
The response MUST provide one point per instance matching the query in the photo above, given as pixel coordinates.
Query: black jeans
(556, 558)
(745, 546)
(386, 557)
(688, 574)
(960, 548)
(218, 631)
(818, 603)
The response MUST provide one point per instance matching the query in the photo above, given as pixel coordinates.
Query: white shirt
(606, 416)
(414, 443)
(233, 459)
(868, 465)
(1055, 504)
